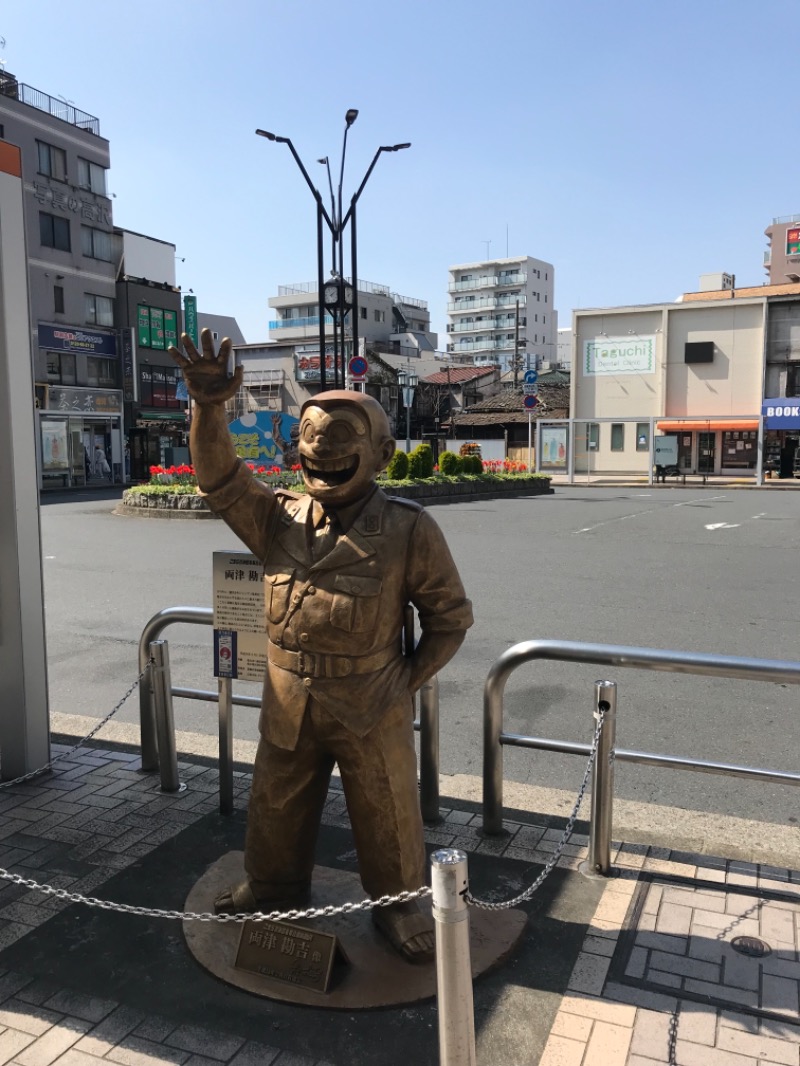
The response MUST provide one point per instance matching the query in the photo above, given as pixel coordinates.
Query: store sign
(190, 319)
(157, 328)
(67, 339)
(128, 359)
(306, 364)
(793, 240)
(84, 401)
(781, 413)
(143, 326)
(619, 355)
(171, 329)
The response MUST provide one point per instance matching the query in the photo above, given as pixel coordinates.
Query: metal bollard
(165, 720)
(598, 862)
(449, 882)
(429, 750)
(225, 708)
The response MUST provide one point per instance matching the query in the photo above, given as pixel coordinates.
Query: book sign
(240, 624)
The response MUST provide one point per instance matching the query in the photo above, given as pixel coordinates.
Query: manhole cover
(750, 945)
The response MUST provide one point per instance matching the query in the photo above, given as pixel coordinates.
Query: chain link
(205, 916)
(64, 755)
(551, 862)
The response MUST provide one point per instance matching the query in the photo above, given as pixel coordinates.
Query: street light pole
(336, 225)
(408, 380)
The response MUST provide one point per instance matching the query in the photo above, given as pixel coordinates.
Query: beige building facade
(693, 370)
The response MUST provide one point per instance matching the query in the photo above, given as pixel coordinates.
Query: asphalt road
(706, 570)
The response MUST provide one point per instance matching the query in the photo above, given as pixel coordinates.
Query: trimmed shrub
(397, 470)
(472, 464)
(420, 462)
(450, 464)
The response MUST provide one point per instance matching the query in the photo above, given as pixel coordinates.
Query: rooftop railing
(302, 288)
(54, 106)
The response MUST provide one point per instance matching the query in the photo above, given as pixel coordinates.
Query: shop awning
(708, 425)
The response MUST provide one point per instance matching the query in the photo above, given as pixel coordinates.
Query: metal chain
(551, 862)
(205, 916)
(64, 755)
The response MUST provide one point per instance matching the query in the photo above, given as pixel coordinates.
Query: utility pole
(516, 344)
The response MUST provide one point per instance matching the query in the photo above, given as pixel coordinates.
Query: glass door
(706, 452)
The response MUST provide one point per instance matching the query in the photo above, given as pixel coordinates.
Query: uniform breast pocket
(277, 590)
(354, 607)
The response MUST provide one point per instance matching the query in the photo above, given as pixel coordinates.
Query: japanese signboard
(190, 318)
(793, 240)
(84, 401)
(156, 327)
(288, 952)
(265, 438)
(128, 360)
(170, 328)
(306, 364)
(143, 325)
(73, 339)
(240, 624)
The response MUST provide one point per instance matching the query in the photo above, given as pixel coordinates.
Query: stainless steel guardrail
(494, 738)
(156, 719)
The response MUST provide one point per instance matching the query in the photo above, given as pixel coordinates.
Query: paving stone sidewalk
(660, 977)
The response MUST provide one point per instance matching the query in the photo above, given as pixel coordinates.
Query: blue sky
(635, 145)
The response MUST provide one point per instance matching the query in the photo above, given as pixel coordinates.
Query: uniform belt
(310, 664)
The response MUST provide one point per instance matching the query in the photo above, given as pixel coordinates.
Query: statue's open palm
(205, 373)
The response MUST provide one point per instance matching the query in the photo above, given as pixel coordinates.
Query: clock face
(348, 294)
(331, 294)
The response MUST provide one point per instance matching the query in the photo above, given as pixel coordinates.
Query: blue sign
(265, 438)
(781, 413)
(77, 339)
(531, 377)
(529, 402)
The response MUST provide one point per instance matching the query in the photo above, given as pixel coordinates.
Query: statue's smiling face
(338, 457)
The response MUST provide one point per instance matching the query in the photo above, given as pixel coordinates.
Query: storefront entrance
(706, 452)
(77, 452)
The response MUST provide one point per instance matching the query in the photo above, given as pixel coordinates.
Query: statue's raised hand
(205, 373)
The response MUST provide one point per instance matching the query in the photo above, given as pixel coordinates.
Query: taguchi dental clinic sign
(619, 355)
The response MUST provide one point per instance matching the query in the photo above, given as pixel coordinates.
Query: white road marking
(723, 525)
(636, 514)
(49, 556)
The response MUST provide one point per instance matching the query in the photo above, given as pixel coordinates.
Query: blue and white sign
(531, 377)
(781, 413)
(266, 439)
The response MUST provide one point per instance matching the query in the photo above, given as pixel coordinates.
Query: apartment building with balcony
(501, 307)
(383, 316)
(72, 254)
(782, 258)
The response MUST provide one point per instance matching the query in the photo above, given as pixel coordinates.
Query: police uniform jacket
(334, 625)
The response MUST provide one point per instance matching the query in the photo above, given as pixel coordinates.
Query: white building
(501, 306)
(383, 316)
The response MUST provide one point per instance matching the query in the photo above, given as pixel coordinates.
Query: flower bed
(173, 492)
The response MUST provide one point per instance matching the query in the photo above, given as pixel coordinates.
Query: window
(100, 372)
(61, 368)
(58, 299)
(157, 386)
(52, 161)
(593, 435)
(380, 316)
(642, 436)
(617, 436)
(96, 244)
(793, 379)
(91, 177)
(54, 232)
(99, 310)
(362, 312)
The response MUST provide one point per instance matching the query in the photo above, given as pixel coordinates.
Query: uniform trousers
(379, 777)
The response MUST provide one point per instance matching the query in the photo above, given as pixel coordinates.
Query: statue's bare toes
(238, 899)
(408, 929)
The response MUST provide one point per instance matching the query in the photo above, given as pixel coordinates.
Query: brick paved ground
(657, 980)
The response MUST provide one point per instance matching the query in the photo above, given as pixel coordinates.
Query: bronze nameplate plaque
(285, 951)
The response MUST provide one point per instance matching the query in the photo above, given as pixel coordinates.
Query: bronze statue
(340, 564)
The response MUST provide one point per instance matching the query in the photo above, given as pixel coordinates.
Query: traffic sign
(529, 402)
(530, 390)
(358, 367)
(531, 377)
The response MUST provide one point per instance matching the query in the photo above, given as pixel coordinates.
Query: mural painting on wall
(266, 438)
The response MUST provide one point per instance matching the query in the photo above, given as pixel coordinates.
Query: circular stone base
(374, 976)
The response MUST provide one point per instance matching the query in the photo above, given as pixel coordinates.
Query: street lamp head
(324, 160)
(350, 116)
(400, 147)
(272, 136)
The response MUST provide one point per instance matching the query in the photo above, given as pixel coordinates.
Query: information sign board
(240, 624)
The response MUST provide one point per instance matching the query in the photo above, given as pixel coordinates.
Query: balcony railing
(67, 112)
(484, 346)
(299, 323)
(486, 303)
(303, 288)
(489, 281)
(478, 327)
